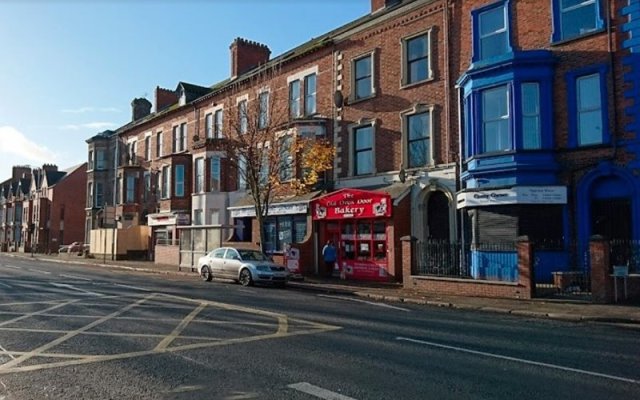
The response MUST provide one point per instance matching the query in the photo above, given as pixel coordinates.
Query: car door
(217, 262)
(232, 263)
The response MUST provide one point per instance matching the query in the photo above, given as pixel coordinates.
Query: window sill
(353, 100)
(561, 42)
(411, 85)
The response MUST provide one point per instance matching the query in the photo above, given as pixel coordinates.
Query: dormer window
(183, 97)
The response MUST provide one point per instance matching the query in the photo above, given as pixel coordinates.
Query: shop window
(243, 230)
(364, 240)
(284, 229)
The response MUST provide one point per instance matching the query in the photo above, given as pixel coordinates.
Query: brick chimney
(246, 55)
(378, 5)
(140, 108)
(50, 167)
(164, 98)
(20, 171)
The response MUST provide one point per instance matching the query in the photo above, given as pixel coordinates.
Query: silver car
(241, 265)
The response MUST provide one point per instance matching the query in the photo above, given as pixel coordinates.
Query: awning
(168, 218)
(514, 195)
(355, 203)
(290, 205)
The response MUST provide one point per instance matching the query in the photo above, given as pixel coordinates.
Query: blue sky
(70, 68)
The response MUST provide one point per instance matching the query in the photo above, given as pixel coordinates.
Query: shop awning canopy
(298, 204)
(358, 203)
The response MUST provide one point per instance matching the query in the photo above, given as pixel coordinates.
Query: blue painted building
(549, 140)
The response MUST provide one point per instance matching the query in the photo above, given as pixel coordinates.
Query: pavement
(557, 309)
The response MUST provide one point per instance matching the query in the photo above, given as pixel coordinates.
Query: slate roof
(308, 47)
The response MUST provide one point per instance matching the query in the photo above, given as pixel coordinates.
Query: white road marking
(133, 287)
(64, 285)
(520, 360)
(318, 392)
(40, 271)
(75, 277)
(7, 353)
(10, 266)
(5, 285)
(373, 303)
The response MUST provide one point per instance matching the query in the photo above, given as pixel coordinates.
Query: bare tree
(271, 159)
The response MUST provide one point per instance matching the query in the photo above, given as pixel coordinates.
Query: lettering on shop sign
(488, 195)
(352, 204)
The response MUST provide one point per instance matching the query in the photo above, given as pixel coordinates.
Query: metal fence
(625, 253)
(562, 269)
(486, 261)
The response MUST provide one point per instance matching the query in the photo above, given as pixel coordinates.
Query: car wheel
(245, 278)
(205, 274)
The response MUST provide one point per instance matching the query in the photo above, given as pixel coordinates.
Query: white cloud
(81, 110)
(88, 125)
(14, 142)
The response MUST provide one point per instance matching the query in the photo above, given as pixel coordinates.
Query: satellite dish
(402, 175)
(338, 99)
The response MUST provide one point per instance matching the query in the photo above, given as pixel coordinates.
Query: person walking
(329, 256)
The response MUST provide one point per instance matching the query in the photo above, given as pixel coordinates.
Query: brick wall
(69, 197)
(167, 254)
(392, 98)
(523, 289)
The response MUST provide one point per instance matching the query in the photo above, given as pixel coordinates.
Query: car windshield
(252, 255)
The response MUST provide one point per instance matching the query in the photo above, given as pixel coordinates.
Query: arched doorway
(438, 220)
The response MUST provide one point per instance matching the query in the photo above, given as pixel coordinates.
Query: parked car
(75, 247)
(242, 265)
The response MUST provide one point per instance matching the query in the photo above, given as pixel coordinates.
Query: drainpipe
(447, 91)
(612, 81)
(116, 164)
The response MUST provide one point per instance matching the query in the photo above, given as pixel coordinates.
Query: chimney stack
(140, 108)
(246, 55)
(164, 98)
(20, 171)
(378, 5)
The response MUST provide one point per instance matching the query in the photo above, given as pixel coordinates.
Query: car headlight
(263, 268)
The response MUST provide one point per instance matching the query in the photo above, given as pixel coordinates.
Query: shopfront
(359, 224)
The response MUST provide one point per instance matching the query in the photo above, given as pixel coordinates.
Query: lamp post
(116, 219)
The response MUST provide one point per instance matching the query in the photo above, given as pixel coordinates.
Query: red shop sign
(351, 203)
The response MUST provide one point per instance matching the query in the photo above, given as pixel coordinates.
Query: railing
(487, 261)
(625, 253)
(442, 259)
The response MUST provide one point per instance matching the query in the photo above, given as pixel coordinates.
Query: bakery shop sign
(351, 203)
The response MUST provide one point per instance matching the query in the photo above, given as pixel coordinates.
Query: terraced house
(458, 124)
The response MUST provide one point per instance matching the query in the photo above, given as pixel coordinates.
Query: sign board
(274, 209)
(351, 203)
(620, 271)
(514, 195)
